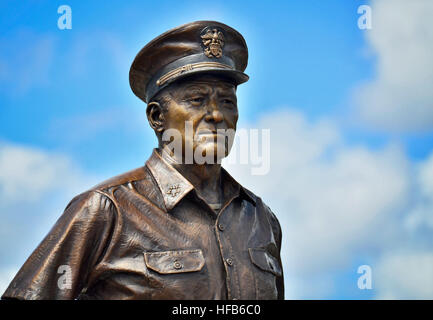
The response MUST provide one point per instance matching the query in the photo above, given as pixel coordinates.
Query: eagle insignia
(213, 41)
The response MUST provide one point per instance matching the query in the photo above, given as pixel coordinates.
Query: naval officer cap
(198, 47)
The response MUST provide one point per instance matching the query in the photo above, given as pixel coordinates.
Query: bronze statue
(171, 229)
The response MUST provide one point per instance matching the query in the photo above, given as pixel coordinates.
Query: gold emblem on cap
(213, 40)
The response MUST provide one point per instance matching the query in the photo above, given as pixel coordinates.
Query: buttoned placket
(227, 254)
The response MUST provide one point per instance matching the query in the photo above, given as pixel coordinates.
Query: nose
(214, 114)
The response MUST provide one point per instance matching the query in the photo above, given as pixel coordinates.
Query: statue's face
(209, 104)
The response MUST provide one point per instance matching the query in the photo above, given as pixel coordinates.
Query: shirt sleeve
(60, 266)
(276, 228)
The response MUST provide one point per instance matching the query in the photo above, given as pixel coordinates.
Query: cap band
(184, 66)
(192, 66)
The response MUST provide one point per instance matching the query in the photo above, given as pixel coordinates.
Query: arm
(276, 228)
(60, 266)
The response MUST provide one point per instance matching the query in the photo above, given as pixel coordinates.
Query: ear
(155, 116)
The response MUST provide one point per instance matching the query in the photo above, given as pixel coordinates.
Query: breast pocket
(175, 274)
(267, 271)
(265, 261)
(174, 261)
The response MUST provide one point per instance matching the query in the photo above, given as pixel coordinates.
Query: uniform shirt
(147, 234)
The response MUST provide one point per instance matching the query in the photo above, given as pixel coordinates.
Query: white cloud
(405, 275)
(35, 186)
(421, 214)
(425, 178)
(6, 276)
(407, 271)
(27, 173)
(401, 95)
(336, 203)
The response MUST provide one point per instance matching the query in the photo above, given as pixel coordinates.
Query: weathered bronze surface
(168, 230)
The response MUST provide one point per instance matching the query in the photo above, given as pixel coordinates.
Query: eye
(196, 100)
(228, 101)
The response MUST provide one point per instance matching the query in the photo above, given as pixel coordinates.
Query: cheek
(176, 117)
(236, 118)
(185, 120)
(232, 119)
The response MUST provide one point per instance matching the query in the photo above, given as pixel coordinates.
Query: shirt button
(177, 265)
(221, 227)
(229, 261)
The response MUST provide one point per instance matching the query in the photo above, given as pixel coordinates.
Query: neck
(206, 178)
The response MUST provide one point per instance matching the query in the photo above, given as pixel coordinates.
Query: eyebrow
(195, 88)
(226, 91)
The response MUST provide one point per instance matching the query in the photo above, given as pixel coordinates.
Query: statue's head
(188, 77)
(201, 111)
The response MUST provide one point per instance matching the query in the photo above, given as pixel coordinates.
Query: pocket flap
(176, 261)
(265, 261)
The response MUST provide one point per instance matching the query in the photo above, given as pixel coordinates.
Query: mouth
(200, 136)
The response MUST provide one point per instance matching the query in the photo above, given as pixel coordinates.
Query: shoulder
(258, 202)
(99, 198)
(91, 205)
(130, 176)
(264, 209)
(118, 188)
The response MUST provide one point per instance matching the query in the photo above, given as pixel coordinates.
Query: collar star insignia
(173, 190)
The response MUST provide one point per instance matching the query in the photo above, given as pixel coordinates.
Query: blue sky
(86, 69)
(67, 111)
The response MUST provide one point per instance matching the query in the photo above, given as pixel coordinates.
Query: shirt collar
(172, 184)
(174, 187)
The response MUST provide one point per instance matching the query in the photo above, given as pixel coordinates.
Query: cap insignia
(213, 40)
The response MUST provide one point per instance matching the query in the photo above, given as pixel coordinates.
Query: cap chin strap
(189, 67)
